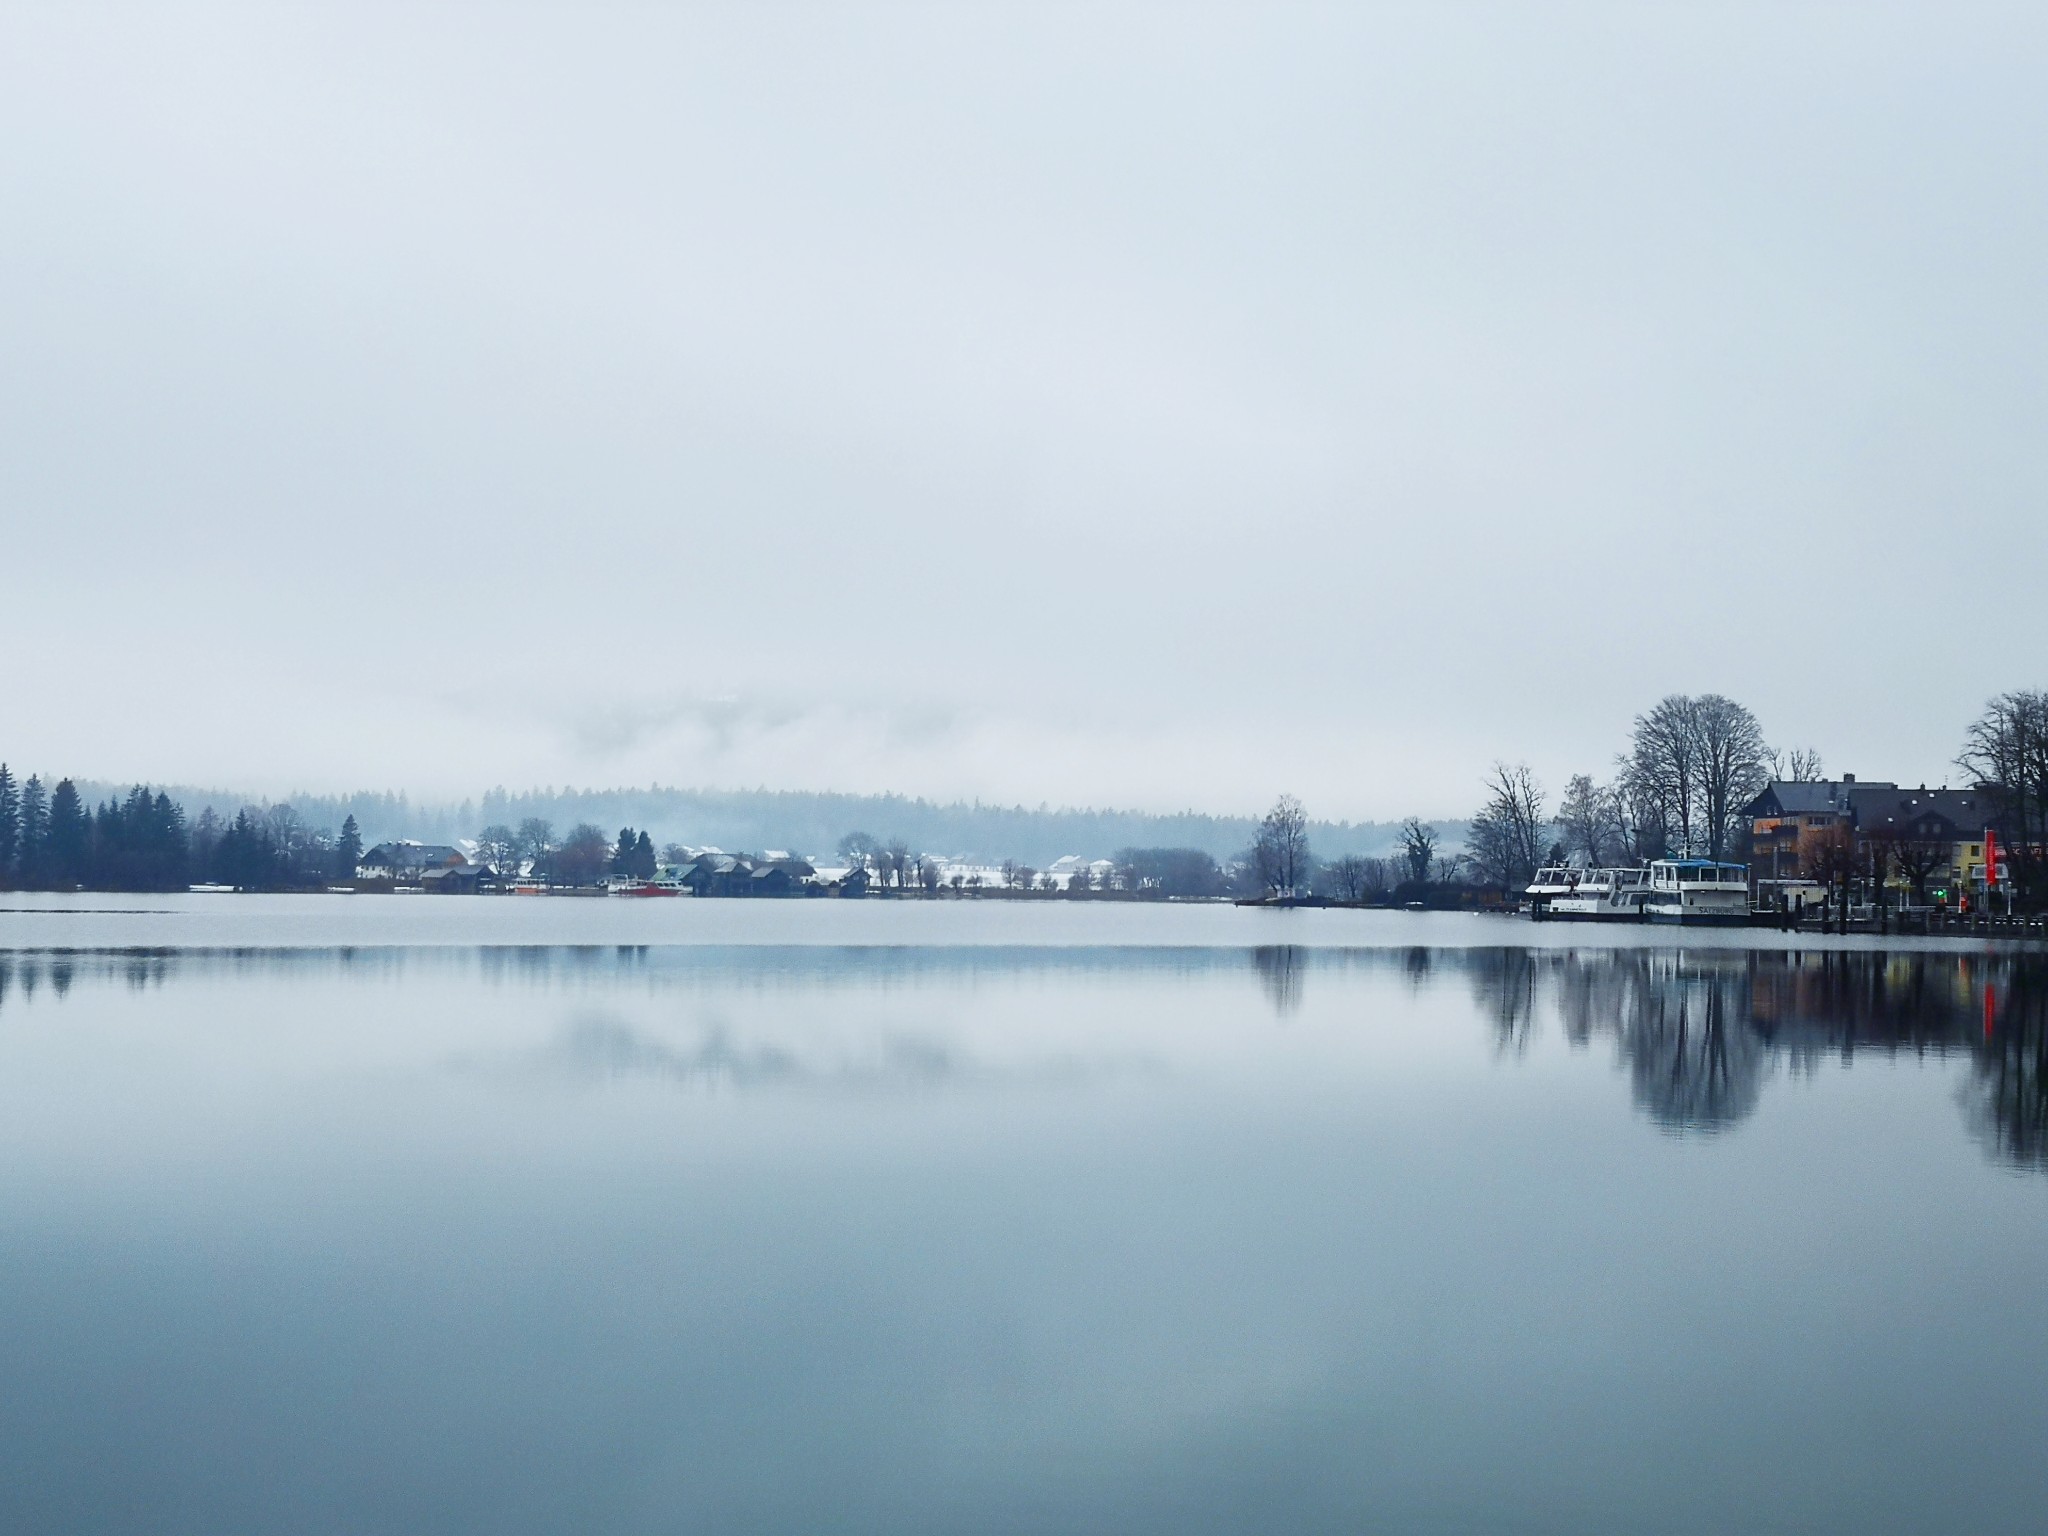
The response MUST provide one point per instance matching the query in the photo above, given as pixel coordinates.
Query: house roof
(1926, 812)
(1874, 806)
(1818, 797)
(408, 855)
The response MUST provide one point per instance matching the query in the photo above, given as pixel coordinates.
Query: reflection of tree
(1280, 968)
(2007, 1099)
(1694, 1060)
(1504, 987)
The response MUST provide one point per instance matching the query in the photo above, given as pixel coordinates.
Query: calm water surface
(386, 1215)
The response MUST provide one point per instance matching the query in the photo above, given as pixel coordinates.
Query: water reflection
(1698, 1032)
(1281, 968)
(648, 1239)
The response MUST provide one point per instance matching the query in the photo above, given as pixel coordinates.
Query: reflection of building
(1699, 1030)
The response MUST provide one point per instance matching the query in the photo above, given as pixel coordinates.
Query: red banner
(1990, 858)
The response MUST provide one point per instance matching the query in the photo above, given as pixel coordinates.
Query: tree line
(1677, 790)
(1691, 767)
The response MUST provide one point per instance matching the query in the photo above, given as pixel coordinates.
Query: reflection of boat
(1697, 891)
(1588, 895)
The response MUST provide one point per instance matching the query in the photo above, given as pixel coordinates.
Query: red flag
(1990, 857)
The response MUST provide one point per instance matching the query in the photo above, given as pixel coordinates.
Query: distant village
(1695, 785)
(466, 867)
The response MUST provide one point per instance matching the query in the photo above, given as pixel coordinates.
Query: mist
(1153, 407)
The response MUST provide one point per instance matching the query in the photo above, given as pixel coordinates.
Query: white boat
(1697, 891)
(1559, 894)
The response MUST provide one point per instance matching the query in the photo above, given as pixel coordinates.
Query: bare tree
(857, 848)
(1828, 858)
(1880, 856)
(498, 845)
(2006, 752)
(1418, 848)
(1732, 764)
(1692, 765)
(1920, 859)
(1642, 830)
(1660, 772)
(1350, 876)
(583, 858)
(1507, 835)
(1281, 849)
(1586, 820)
(1799, 766)
(536, 838)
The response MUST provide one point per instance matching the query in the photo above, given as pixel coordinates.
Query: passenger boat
(1697, 891)
(1558, 894)
(633, 885)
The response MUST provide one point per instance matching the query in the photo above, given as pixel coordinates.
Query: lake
(366, 1215)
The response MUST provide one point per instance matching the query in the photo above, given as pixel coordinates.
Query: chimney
(1848, 778)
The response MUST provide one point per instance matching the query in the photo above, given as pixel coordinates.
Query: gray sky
(1155, 407)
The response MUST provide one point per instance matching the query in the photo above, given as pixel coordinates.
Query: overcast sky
(1156, 407)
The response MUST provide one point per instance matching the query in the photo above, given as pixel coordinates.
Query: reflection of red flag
(1990, 857)
(1990, 1007)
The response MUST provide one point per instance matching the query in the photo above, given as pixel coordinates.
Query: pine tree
(643, 857)
(622, 852)
(173, 847)
(348, 852)
(70, 837)
(35, 831)
(10, 827)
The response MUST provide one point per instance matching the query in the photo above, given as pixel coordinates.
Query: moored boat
(1702, 891)
(1560, 894)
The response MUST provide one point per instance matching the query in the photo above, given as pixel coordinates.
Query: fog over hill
(804, 822)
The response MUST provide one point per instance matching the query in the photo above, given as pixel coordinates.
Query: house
(713, 874)
(406, 860)
(459, 879)
(778, 877)
(1933, 838)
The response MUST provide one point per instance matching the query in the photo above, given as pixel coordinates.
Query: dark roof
(403, 855)
(1927, 812)
(1875, 806)
(1818, 797)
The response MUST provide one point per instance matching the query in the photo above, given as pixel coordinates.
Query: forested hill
(802, 822)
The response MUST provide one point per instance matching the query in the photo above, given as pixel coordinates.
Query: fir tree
(348, 852)
(35, 831)
(10, 827)
(69, 838)
(643, 857)
(622, 852)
